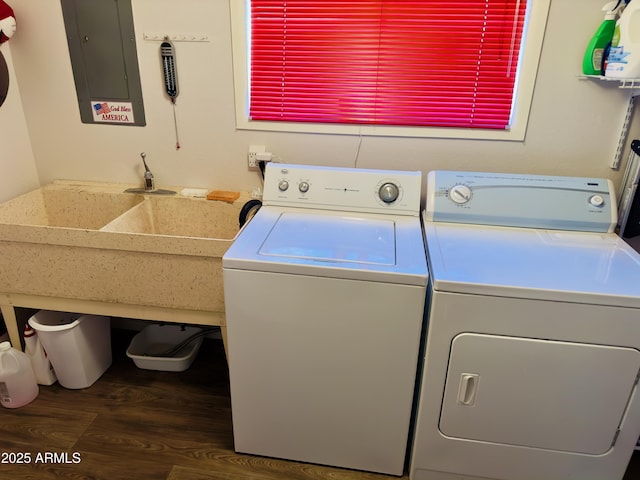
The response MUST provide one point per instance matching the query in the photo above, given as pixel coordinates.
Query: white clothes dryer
(532, 355)
(324, 296)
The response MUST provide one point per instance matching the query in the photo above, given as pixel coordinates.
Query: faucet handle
(143, 156)
(149, 184)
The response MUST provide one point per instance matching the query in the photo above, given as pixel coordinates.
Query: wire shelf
(629, 83)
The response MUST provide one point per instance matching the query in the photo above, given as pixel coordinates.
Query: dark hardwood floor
(137, 424)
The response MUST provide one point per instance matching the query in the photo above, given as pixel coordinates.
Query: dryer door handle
(468, 388)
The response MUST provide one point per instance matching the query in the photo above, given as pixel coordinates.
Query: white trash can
(79, 346)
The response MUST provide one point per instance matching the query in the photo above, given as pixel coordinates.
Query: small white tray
(159, 338)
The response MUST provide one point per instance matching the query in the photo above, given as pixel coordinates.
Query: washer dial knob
(283, 185)
(460, 194)
(389, 192)
(303, 187)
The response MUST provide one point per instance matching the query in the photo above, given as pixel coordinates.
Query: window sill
(384, 131)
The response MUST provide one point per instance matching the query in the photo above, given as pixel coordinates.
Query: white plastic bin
(154, 339)
(79, 346)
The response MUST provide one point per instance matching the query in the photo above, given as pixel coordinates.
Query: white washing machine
(531, 362)
(324, 297)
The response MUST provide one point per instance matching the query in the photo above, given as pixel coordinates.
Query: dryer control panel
(349, 189)
(516, 200)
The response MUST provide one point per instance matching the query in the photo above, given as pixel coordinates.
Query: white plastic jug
(18, 384)
(624, 56)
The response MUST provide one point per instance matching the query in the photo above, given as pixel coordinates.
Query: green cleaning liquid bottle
(594, 56)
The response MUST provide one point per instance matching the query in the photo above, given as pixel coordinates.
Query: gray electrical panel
(102, 46)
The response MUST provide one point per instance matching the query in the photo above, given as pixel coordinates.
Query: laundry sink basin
(178, 216)
(67, 205)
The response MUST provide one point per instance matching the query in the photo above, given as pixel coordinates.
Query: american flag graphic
(101, 108)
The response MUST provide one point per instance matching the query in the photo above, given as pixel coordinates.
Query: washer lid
(594, 268)
(332, 239)
(347, 245)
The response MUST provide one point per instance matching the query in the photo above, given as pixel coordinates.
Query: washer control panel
(515, 200)
(348, 189)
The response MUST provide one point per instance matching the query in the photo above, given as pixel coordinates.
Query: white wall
(573, 129)
(16, 158)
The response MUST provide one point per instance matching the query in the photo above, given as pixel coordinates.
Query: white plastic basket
(158, 338)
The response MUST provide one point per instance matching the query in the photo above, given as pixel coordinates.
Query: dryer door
(537, 393)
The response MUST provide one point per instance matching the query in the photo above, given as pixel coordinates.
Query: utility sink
(94, 242)
(66, 206)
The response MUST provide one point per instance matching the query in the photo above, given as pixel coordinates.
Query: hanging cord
(357, 157)
(175, 123)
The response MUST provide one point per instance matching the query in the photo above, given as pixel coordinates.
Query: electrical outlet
(254, 150)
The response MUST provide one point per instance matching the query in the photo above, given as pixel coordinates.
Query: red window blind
(385, 62)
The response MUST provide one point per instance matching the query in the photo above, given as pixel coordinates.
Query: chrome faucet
(149, 182)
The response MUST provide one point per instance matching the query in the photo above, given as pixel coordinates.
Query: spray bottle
(624, 56)
(40, 363)
(595, 55)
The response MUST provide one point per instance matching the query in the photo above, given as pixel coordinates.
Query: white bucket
(79, 346)
(18, 384)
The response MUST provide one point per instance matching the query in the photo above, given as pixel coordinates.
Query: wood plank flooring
(137, 424)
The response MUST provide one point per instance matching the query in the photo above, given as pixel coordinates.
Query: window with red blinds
(386, 62)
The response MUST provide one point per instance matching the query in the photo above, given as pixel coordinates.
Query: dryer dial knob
(460, 194)
(303, 187)
(283, 185)
(596, 200)
(389, 192)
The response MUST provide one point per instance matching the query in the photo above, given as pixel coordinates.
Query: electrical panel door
(102, 46)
